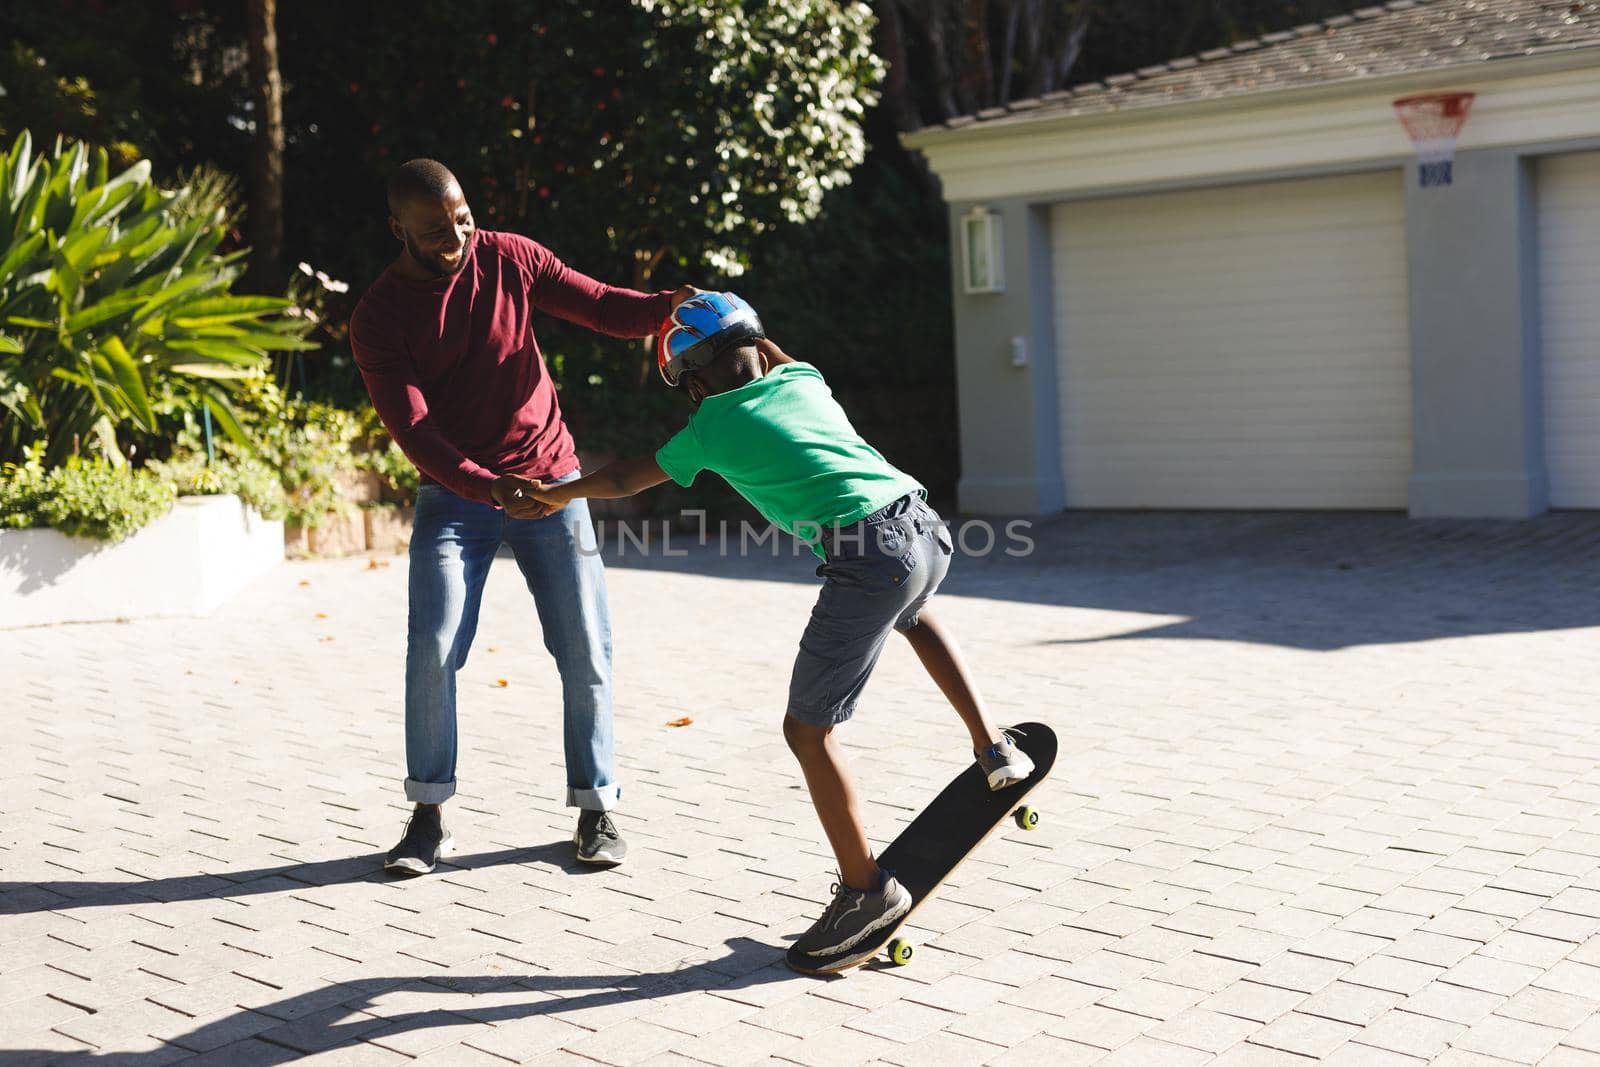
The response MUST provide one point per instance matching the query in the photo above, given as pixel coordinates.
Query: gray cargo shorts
(879, 573)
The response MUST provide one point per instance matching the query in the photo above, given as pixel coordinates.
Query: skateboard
(936, 842)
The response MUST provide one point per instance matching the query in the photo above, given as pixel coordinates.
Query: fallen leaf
(322, 614)
(685, 721)
(502, 683)
(492, 648)
(304, 582)
(376, 564)
(325, 640)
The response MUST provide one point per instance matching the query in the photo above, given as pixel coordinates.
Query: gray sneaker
(1004, 763)
(850, 922)
(597, 840)
(425, 840)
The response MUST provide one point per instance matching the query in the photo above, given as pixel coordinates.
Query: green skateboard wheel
(900, 952)
(1027, 818)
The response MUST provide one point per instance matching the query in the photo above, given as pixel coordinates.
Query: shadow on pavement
(341, 1014)
(1307, 580)
(17, 898)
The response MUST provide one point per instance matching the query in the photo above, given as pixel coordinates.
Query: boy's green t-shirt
(786, 446)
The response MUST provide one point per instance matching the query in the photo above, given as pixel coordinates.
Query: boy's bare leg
(834, 797)
(936, 647)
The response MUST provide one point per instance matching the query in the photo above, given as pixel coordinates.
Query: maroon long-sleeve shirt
(456, 374)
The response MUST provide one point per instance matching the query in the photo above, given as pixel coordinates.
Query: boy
(769, 425)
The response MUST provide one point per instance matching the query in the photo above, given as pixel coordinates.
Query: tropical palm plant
(115, 311)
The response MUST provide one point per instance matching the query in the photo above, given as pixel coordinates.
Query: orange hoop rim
(1450, 99)
(1434, 114)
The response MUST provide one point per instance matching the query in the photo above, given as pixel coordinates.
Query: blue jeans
(453, 543)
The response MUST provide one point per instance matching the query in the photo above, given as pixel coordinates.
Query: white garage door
(1239, 347)
(1569, 286)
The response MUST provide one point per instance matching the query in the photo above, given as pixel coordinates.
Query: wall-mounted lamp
(982, 259)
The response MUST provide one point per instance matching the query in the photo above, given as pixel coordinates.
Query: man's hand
(683, 293)
(516, 495)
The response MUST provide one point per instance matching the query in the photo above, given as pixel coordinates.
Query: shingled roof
(1402, 37)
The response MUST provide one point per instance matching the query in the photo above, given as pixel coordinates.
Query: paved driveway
(1330, 788)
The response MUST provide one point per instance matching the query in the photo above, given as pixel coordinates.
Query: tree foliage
(630, 136)
(147, 79)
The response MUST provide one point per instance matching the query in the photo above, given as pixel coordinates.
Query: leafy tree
(647, 142)
(163, 77)
(35, 93)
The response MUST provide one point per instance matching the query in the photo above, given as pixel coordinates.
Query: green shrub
(115, 314)
(298, 450)
(400, 478)
(377, 452)
(245, 476)
(83, 498)
(307, 443)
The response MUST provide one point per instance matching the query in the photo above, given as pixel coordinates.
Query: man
(444, 341)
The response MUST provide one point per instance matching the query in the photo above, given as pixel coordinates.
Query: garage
(1241, 346)
(1227, 282)
(1569, 325)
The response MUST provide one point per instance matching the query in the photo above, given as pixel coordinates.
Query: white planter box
(186, 563)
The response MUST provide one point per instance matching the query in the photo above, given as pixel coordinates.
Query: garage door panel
(1288, 434)
(1238, 347)
(1221, 308)
(1569, 281)
(1267, 355)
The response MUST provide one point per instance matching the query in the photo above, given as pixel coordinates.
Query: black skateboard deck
(936, 842)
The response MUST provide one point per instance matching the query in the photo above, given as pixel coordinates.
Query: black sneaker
(597, 839)
(425, 840)
(843, 936)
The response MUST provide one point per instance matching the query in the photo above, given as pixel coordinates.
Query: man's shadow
(337, 1015)
(19, 898)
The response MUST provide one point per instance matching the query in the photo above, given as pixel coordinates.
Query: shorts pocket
(871, 573)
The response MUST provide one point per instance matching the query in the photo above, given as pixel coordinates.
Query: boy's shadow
(336, 1015)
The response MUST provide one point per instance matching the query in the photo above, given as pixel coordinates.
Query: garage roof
(1402, 37)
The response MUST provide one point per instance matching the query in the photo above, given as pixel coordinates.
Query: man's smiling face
(437, 233)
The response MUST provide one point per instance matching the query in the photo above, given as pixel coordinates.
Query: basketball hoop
(1433, 120)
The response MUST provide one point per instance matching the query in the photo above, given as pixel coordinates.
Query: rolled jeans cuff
(429, 792)
(603, 799)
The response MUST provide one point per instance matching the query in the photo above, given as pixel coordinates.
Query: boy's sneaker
(851, 920)
(1004, 763)
(597, 839)
(425, 840)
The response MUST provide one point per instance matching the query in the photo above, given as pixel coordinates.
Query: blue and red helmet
(702, 328)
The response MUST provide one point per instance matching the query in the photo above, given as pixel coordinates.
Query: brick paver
(1329, 788)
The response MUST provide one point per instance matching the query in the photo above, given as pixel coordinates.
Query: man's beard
(432, 264)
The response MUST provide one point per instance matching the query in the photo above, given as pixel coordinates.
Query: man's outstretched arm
(568, 294)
